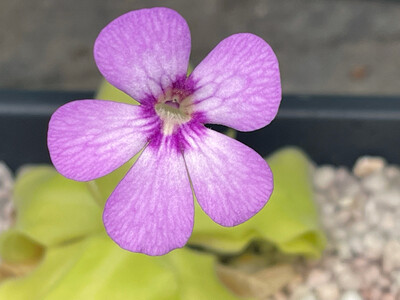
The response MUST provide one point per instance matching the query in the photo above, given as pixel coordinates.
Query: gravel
(6, 186)
(360, 213)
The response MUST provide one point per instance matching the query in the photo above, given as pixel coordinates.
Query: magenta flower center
(174, 107)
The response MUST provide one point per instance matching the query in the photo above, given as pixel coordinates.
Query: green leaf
(92, 267)
(289, 220)
(96, 268)
(52, 209)
(108, 92)
(56, 262)
(197, 275)
(105, 271)
(16, 247)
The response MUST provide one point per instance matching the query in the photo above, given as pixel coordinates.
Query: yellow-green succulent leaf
(96, 268)
(16, 247)
(197, 275)
(106, 91)
(289, 220)
(52, 209)
(232, 133)
(35, 286)
(105, 271)
(189, 70)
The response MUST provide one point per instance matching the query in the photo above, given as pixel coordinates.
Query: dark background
(324, 46)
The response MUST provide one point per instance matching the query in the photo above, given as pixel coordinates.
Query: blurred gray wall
(324, 46)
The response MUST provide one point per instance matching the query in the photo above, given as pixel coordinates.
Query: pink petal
(144, 51)
(88, 139)
(151, 210)
(230, 180)
(238, 83)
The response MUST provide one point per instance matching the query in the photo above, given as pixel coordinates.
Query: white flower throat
(174, 108)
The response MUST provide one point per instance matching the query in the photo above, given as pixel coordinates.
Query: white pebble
(332, 194)
(346, 201)
(395, 277)
(320, 198)
(279, 296)
(388, 222)
(344, 250)
(349, 280)
(373, 293)
(367, 165)
(343, 217)
(351, 189)
(300, 292)
(6, 205)
(339, 233)
(339, 268)
(391, 256)
(359, 263)
(346, 278)
(371, 275)
(372, 214)
(309, 296)
(328, 209)
(318, 277)
(356, 245)
(373, 245)
(392, 173)
(375, 182)
(388, 296)
(324, 177)
(389, 198)
(351, 295)
(328, 291)
(384, 283)
(5, 173)
(359, 227)
(395, 290)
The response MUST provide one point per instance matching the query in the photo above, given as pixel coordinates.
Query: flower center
(174, 108)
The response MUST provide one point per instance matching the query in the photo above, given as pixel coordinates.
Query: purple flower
(145, 53)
